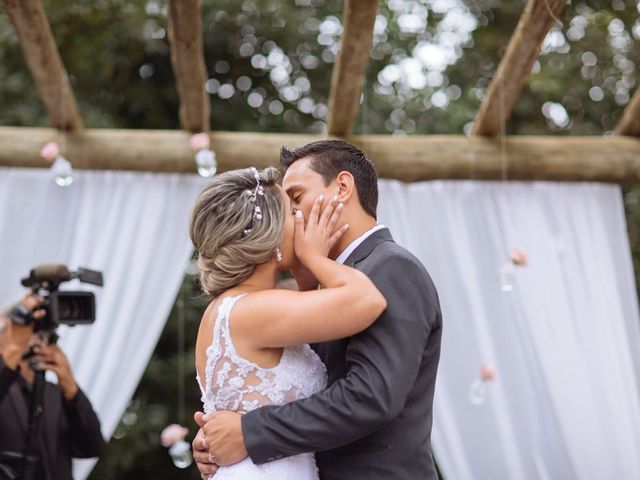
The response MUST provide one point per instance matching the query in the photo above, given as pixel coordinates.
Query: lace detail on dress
(237, 384)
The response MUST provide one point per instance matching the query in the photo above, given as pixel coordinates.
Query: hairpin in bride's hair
(253, 196)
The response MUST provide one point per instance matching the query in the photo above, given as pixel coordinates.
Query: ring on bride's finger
(212, 458)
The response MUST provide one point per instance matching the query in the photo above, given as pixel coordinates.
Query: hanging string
(53, 151)
(364, 110)
(181, 349)
(62, 130)
(503, 131)
(472, 156)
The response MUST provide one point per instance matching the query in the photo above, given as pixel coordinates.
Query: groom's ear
(346, 186)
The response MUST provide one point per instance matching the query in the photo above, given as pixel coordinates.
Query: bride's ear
(346, 186)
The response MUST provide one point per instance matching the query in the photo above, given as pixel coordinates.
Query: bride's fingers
(298, 228)
(335, 215)
(327, 212)
(337, 235)
(314, 215)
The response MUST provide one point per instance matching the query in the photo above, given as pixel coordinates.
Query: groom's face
(303, 186)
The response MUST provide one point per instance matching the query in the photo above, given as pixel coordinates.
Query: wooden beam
(43, 59)
(515, 66)
(613, 159)
(187, 60)
(630, 122)
(351, 65)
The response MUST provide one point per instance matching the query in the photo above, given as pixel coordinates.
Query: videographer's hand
(51, 357)
(32, 301)
(17, 341)
(18, 336)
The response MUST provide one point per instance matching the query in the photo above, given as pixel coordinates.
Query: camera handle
(31, 447)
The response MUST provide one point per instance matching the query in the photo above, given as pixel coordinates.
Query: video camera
(61, 307)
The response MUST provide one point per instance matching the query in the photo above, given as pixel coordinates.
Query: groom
(373, 421)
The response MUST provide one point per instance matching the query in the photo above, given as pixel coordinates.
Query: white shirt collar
(356, 243)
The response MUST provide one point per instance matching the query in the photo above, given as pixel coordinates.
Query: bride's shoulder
(256, 307)
(212, 312)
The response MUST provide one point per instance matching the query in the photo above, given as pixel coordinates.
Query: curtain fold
(133, 228)
(564, 342)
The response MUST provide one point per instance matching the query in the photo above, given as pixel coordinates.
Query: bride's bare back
(232, 382)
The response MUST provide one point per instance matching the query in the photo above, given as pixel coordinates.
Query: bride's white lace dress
(234, 383)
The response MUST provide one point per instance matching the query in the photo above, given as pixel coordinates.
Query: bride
(252, 347)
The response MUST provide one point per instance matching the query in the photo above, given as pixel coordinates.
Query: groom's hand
(201, 454)
(223, 434)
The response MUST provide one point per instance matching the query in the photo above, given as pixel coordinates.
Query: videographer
(68, 427)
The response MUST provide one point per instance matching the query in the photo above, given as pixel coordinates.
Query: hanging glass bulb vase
(205, 157)
(479, 387)
(172, 437)
(507, 277)
(507, 272)
(180, 453)
(61, 168)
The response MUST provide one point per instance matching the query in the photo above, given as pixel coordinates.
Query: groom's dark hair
(330, 157)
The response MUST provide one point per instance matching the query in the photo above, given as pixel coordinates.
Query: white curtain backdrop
(133, 228)
(565, 343)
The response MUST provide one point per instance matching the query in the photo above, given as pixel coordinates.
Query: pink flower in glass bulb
(518, 257)
(172, 434)
(199, 141)
(50, 151)
(487, 372)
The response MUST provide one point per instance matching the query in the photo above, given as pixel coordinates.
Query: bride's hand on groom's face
(319, 235)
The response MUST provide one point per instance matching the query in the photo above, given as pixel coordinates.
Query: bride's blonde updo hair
(227, 253)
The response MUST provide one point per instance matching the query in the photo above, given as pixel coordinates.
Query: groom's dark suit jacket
(373, 421)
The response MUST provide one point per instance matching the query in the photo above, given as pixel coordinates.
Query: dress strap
(224, 321)
(218, 345)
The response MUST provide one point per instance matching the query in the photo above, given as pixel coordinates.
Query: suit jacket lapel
(368, 246)
(333, 353)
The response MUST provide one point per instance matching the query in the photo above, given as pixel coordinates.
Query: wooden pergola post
(187, 60)
(515, 66)
(351, 65)
(44, 62)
